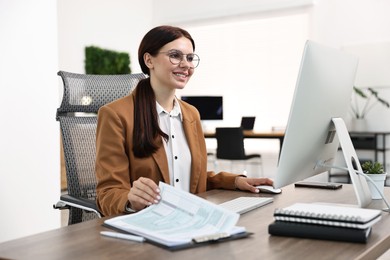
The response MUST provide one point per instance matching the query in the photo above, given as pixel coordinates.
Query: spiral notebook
(329, 215)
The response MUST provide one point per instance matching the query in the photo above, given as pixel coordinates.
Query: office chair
(83, 96)
(230, 146)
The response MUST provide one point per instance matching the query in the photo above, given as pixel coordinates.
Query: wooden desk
(83, 241)
(254, 134)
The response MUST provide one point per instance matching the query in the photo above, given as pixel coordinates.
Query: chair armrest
(67, 201)
(250, 156)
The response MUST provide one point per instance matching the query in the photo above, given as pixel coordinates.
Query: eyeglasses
(175, 57)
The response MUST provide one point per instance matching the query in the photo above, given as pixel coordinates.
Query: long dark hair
(146, 127)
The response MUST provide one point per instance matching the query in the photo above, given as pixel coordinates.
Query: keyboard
(242, 205)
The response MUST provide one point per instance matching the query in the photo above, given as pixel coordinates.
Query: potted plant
(371, 98)
(377, 174)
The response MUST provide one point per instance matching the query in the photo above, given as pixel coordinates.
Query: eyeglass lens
(177, 57)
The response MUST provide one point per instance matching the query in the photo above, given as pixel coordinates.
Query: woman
(151, 136)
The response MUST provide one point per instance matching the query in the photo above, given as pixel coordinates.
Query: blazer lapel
(190, 130)
(160, 157)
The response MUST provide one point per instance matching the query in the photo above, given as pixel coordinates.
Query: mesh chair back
(82, 98)
(87, 93)
(230, 143)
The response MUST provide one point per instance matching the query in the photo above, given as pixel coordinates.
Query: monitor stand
(358, 180)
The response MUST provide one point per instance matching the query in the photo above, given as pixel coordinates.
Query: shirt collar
(176, 111)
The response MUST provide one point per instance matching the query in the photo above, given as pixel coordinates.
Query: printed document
(178, 218)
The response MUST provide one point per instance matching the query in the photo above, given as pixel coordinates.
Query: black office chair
(230, 146)
(83, 96)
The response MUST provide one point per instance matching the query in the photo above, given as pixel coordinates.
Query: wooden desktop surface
(83, 241)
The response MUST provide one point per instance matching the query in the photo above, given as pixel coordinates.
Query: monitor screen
(248, 122)
(209, 107)
(323, 91)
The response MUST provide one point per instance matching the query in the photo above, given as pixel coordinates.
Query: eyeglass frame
(182, 57)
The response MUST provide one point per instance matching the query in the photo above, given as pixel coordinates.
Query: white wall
(29, 139)
(190, 12)
(341, 22)
(253, 64)
(358, 26)
(117, 25)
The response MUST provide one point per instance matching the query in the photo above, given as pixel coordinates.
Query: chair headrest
(87, 93)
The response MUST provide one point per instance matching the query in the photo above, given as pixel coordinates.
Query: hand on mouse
(243, 183)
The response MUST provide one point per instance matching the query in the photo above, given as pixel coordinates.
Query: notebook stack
(324, 221)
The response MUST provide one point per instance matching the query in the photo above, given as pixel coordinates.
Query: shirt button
(175, 157)
(177, 180)
(173, 136)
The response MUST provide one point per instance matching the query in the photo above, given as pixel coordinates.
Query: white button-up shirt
(176, 148)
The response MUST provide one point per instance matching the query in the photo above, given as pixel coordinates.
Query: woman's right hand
(144, 192)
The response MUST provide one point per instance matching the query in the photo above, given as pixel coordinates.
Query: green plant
(106, 62)
(371, 99)
(372, 168)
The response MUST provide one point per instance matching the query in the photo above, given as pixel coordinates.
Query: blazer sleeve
(222, 180)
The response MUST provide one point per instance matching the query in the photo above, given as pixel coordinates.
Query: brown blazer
(117, 168)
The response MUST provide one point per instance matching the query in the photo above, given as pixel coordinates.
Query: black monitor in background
(248, 122)
(209, 107)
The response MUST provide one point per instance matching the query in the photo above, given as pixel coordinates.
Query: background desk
(371, 140)
(83, 241)
(254, 134)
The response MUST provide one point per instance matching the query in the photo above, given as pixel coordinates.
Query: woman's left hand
(250, 184)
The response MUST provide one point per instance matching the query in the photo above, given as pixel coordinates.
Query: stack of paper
(180, 219)
(324, 221)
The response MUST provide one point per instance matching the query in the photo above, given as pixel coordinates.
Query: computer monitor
(248, 122)
(209, 107)
(323, 92)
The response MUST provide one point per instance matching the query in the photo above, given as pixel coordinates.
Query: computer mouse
(268, 189)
